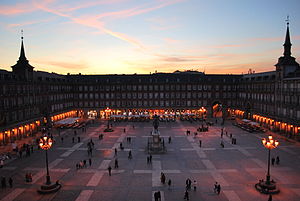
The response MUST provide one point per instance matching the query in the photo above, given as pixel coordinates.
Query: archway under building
(247, 114)
(217, 109)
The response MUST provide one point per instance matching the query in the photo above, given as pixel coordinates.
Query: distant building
(31, 99)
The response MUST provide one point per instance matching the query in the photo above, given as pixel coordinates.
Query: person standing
(130, 155)
(169, 183)
(186, 195)
(109, 170)
(277, 160)
(218, 189)
(10, 182)
(78, 139)
(3, 182)
(170, 139)
(273, 160)
(116, 163)
(90, 161)
(73, 139)
(200, 143)
(195, 185)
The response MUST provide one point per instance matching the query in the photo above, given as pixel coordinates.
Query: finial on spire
(22, 34)
(287, 20)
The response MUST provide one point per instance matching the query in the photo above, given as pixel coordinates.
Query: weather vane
(22, 34)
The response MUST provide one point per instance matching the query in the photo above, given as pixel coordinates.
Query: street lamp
(268, 187)
(45, 144)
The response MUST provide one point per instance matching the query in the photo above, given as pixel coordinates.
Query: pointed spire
(22, 52)
(287, 44)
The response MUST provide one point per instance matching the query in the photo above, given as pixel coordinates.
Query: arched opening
(247, 114)
(217, 109)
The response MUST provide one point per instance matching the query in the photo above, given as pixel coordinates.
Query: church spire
(22, 52)
(287, 44)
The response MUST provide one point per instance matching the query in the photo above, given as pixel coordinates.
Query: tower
(22, 68)
(286, 64)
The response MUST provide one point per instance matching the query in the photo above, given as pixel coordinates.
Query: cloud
(94, 20)
(138, 10)
(17, 9)
(62, 64)
(29, 23)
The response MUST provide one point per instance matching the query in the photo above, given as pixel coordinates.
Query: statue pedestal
(156, 144)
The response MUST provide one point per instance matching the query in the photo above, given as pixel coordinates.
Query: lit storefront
(164, 113)
(271, 124)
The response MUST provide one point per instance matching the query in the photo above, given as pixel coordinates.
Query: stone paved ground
(236, 167)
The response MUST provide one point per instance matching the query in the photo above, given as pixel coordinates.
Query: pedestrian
(169, 139)
(270, 197)
(186, 195)
(273, 160)
(216, 187)
(200, 143)
(90, 161)
(62, 139)
(116, 163)
(195, 185)
(20, 153)
(155, 196)
(130, 155)
(109, 170)
(78, 139)
(150, 157)
(73, 139)
(84, 163)
(148, 160)
(169, 183)
(222, 144)
(3, 182)
(10, 181)
(158, 196)
(277, 160)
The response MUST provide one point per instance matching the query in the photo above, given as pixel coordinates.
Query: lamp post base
(49, 188)
(267, 187)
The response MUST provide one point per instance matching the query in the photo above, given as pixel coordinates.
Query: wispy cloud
(95, 21)
(76, 65)
(29, 23)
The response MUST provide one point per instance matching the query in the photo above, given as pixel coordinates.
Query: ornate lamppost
(268, 186)
(46, 143)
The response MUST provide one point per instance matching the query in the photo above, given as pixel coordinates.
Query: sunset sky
(142, 36)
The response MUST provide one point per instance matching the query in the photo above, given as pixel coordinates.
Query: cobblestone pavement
(236, 167)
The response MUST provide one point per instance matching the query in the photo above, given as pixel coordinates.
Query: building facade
(31, 99)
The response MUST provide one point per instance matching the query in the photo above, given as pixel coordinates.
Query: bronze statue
(155, 123)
